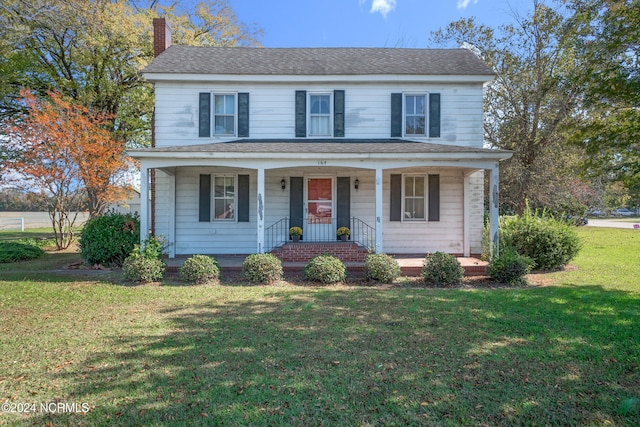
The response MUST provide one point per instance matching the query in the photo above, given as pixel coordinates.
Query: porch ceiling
(342, 148)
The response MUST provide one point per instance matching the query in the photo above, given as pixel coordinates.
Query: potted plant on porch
(344, 233)
(295, 233)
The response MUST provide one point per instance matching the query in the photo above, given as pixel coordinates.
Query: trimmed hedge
(551, 243)
(325, 269)
(510, 268)
(109, 239)
(381, 267)
(200, 269)
(14, 251)
(140, 269)
(262, 268)
(442, 270)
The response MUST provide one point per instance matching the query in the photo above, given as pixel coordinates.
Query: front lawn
(566, 353)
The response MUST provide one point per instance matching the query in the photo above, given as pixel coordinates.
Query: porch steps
(347, 252)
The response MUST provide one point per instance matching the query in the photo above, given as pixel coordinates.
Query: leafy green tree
(92, 51)
(608, 46)
(529, 104)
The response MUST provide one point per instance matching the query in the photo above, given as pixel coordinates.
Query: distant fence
(26, 220)
(12, 224)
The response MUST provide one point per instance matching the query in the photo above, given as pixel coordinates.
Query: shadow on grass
(327, 356)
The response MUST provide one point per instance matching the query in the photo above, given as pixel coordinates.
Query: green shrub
(145, 264)
(200, 269)
(325, 269)
(510, 268)
(382, 267)
(141, 269)
(549, 242)
(109, 239)
(14, 251)
(262, 268)
(442, 269)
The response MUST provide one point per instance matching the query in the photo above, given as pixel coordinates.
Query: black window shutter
(396, 115)
(338, 113)
(243, 198)
(396, 198)
(301, 113)
(434, 115)
(243, 115)
(205, 198)
(343, 203)
(434, 197)
(204, 111)
(296, 195)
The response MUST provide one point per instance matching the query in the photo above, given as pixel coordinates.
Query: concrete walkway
(614, 223)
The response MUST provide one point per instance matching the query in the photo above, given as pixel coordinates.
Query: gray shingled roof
(322, 146)
(317, 61)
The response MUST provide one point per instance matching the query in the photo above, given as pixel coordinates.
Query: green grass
(566, 353)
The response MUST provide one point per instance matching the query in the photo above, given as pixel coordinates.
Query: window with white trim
(224, 114)
(224, 197)
(320, 114)
(413, 199)
(415, 115)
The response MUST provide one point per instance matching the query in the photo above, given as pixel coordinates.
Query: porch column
(379, 246)
(144, 202)
(493, 210)
(172, 214)
(260, 207)
(466, 216)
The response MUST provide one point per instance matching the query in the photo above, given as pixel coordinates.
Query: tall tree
(608, 44)
(92, 51)
(528, 105)
(62, 151)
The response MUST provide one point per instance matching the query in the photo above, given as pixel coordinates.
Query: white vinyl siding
(272, 111)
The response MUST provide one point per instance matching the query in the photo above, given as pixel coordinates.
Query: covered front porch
(395, 196)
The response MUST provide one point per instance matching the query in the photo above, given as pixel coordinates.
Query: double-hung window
(414, 198)
(224, 197)
(320, 114)
(224, 115)
(415, 115)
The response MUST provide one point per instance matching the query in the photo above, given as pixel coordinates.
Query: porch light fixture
(356, 184)
(283, 184)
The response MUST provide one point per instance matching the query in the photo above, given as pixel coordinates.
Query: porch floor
(411, 265)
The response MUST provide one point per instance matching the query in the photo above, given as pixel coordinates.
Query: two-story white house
(252, 141)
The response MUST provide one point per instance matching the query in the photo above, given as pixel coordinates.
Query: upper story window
(415, 115)
(319, 114)
(223, 114)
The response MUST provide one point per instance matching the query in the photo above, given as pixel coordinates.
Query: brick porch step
(303, 251)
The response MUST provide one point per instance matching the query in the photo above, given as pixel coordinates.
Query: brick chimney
(161, 36)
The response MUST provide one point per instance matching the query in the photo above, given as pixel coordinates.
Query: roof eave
(281, 78)
(443, 156)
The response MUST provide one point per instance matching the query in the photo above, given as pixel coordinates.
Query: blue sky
(367, 23)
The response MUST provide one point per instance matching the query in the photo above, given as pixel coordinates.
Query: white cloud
(382, 6)
(462, 4)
